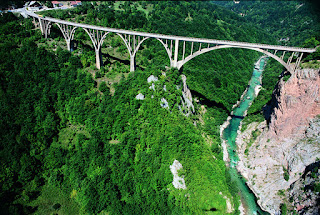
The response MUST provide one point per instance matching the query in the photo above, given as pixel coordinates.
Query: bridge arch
(96, 39)
(67, 33)
(205, 50)
(126, 44)
(163, 44)
(132, 50)
(44, 27)
(138, 46)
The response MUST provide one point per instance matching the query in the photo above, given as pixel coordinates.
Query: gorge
(142, 133)
(229, 131)
(281, 151)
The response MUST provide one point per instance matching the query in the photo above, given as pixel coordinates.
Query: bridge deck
(172, 37)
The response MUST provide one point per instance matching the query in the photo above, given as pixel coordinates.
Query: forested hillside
(74, 140)
(290, 22)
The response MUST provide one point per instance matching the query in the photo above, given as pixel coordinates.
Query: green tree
(283, 208)
(104, 88)
(49, 4)
(311, 43)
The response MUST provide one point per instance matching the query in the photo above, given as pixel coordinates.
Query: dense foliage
(74, 140)
(290, 22)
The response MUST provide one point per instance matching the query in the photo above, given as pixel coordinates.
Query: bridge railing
(174, 37)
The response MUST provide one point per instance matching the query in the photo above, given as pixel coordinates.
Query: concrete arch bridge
(134, 39)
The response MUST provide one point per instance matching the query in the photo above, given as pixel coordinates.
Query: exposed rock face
(152, 78)
(186, 99)
(140, 96)
(296, 102)
(178, 182)
(164, 103)
(185, 89)
(279, 155)
(304, 193)
(186, 106)
(152, 87)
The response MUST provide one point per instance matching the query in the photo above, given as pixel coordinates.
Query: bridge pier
(296, 66)
(175, 59)
(36, 25)
(99, 62)
(97, 37)
(132, 64)
(68, 34)
(44, 27)
(68, 45)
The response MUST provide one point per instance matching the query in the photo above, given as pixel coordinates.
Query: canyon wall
(274, 154)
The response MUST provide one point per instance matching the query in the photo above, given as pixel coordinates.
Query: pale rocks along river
(248, 199)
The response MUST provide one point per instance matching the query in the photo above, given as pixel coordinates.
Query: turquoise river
(230, 133)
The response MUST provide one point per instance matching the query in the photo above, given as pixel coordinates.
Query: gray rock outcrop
(152, 78)
(186, 107)
(152, 87)
(164, 103)
(178, 181)
(186, 100)
(140, 96)
(304, 193)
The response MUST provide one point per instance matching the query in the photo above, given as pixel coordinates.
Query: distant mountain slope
(290, 22)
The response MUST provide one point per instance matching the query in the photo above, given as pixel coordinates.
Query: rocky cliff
(274, 154)
(186, 106)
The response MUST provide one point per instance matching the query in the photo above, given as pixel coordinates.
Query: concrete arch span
(67, 33)
(97, 38)
(132, 50)
(205, 50)
(169, 53)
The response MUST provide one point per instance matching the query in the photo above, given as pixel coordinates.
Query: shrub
(104, 88)
(285, 174)
(283, 208)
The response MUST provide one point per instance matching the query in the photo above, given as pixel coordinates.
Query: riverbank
(228, 133)
(227, 122)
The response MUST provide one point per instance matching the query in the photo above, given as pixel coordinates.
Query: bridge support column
(296, 66)
(175, 59)
(36, 25)
(68, 33)
(41, 25)
(97, 37)
(44, 27)
(290, 59)
(99, 62)
(132, 64)
(68, 45)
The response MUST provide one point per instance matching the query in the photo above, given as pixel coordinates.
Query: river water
(230, 133)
